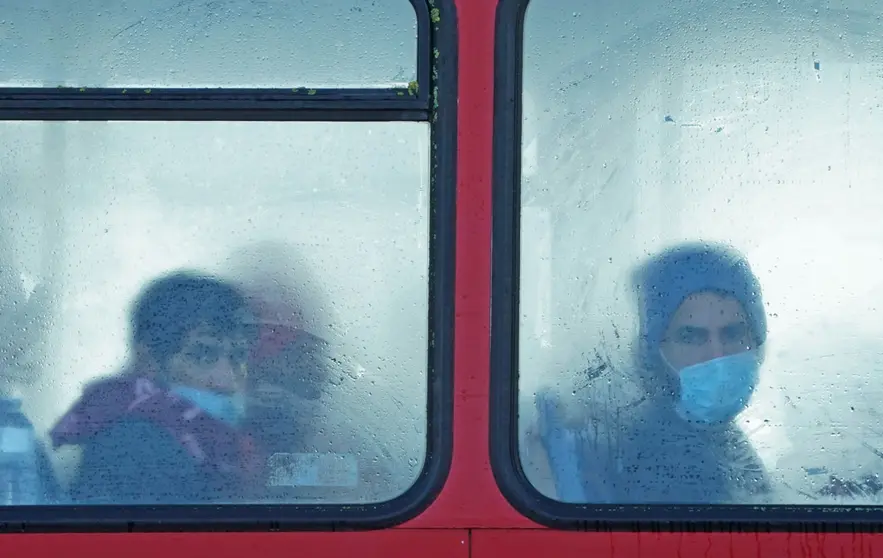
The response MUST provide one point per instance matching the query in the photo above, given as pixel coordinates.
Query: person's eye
(736, 334)
(690, 336)
(205, 355)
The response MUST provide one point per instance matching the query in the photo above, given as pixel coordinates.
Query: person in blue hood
(702, 332)
(701, 335)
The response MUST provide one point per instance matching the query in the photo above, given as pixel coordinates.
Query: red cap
(277, 327)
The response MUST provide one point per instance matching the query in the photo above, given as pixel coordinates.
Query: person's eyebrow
(207, 340)
(692, 329)
(687, 330)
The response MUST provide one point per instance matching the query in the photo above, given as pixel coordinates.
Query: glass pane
(220, 43)
(213, 312)
(699, 236)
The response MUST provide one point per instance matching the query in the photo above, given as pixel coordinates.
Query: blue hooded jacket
(647, 453)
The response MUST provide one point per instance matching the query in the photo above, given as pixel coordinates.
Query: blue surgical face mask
(228, 408)
(715, 391)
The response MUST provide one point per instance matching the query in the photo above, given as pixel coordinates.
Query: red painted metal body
(470, 517)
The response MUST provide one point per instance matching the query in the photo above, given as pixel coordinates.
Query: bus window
(231, 43)
(698, 296)
(322, 228)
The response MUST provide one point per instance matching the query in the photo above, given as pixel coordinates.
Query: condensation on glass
(651, 125)
(223, 43)
(321, 227)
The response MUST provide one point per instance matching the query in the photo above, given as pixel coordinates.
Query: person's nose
(225, 375)
(716, 348)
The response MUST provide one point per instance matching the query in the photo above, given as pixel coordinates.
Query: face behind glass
(210, 362)
(706, 326)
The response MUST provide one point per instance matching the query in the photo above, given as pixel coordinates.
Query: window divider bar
(410, 94)
(198, 104)
(330, 112)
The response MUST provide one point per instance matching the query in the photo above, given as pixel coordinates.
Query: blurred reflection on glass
(27, 476)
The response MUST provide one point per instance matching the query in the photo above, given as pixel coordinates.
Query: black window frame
(432, 99)
(504, 399)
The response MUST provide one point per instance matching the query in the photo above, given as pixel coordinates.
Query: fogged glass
(699, 246)
(311, 388)
(226, 43)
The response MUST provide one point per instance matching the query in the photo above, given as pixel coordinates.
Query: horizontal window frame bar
(313, 114)
(504, 399)
(210, 104)
(71, 95)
